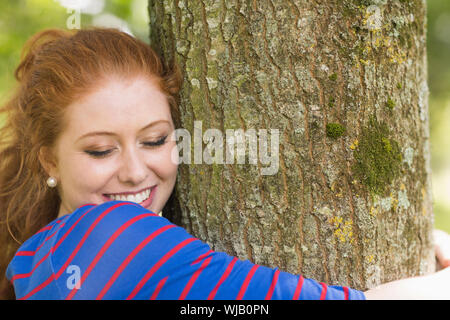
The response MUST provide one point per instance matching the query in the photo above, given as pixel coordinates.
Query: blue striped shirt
(120, 250)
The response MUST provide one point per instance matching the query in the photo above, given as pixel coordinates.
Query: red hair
(57, 67)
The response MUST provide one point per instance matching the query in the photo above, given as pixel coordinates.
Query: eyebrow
(108, 133)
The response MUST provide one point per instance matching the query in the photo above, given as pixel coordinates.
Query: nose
(133, 169)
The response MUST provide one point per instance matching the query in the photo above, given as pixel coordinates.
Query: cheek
(162, 164)
(83, 176)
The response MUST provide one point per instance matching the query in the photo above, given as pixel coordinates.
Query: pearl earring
(51, 182)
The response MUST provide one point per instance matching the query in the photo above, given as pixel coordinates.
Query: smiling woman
(94, 110)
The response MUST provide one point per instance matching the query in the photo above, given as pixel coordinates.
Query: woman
(89, 134)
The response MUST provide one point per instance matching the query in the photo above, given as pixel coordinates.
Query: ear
(48, 161)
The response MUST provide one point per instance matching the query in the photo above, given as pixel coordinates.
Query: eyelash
(102, 154)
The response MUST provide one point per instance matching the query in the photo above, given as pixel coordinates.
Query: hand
(423, 287)
(429, 287)
(442, 249)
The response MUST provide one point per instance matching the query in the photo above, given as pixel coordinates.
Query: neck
(63, 211)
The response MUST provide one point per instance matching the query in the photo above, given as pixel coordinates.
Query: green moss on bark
(390, 104)
(335, 130)
(378, 158)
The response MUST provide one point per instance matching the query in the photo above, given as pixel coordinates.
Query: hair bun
(33, 46)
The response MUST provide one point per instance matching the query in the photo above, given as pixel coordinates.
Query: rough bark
(345, 83)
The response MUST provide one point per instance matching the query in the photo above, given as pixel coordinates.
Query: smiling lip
(128, 192)
(146, 203)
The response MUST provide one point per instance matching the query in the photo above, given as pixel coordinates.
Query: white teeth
(138, 198)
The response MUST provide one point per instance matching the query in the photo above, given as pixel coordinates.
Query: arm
(125, 252)
(434, 287)
(425, 287)
(442, 247)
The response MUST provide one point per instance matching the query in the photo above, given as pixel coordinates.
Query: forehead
(118, 105)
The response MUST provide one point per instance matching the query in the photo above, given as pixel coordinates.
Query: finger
(442, 247)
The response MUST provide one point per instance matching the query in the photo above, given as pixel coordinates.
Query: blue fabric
(120, 250)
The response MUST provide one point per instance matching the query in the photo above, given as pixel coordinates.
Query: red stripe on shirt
(272, 285)
(224, 276)
(104, 248)
(158, 288)
(52, 235)
(46, 228)
(155, 268)
(25, 253)
(194, 277)
(201, 257)
(323, 294)
(39, 287)
(74, 252)
(25, 275)
(346, 293)
(246, 282)
(298, 289)
(85, 236)
(32, 253)
(130, 257)
(59, 220)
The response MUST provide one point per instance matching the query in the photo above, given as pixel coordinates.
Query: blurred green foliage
(19, 19)
(439, 47)
(438, 43)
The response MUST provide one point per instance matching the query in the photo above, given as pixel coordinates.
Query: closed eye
(102, 154)
(98, 154)
(155, 143)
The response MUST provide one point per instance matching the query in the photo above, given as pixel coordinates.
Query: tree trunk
(344, 82)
